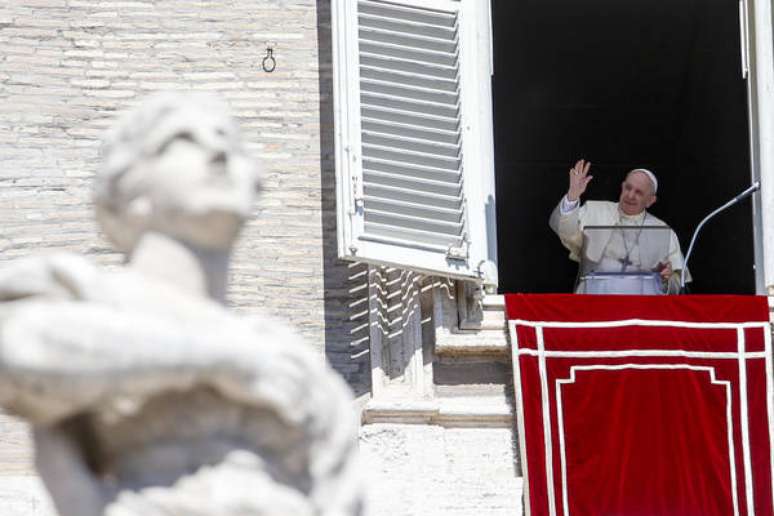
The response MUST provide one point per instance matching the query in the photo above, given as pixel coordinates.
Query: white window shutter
(414, 163)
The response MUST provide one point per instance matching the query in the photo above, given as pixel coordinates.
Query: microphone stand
(752, 189)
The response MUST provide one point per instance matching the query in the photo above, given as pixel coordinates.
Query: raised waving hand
(579, 180)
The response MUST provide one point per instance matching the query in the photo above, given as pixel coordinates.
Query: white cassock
(616, 251)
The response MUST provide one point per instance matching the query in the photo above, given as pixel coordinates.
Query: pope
(623, 251)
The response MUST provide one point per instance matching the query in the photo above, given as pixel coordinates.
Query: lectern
(623, 260)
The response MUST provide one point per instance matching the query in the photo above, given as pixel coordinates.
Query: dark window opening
(641, 83)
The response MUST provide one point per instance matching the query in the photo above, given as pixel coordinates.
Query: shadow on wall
(345, 284)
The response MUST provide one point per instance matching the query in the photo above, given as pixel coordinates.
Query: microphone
(747, 193)
(752, 189)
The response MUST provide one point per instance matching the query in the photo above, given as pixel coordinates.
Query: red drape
(632, 405)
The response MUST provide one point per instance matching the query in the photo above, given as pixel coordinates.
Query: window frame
(758, 43)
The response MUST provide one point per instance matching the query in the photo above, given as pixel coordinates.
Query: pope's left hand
(665, 270)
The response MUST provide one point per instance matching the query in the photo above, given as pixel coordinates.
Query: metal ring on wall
(269, 63)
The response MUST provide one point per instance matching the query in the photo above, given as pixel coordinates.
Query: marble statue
(145, 394)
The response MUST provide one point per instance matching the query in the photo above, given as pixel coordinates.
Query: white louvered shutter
(413, 135)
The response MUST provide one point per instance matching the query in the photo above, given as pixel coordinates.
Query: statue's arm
(60, 357)
(55, 276)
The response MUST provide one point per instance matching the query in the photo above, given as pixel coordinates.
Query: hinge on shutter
(460, 252)
(487, 273)
(357, 194)
(357, 186)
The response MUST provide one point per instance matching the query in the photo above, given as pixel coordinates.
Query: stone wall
(69, 67)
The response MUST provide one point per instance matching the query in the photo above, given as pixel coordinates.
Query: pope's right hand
(579, 180)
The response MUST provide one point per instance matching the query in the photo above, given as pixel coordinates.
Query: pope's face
(202, 188)
(636, 194)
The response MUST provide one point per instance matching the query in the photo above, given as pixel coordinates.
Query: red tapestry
(643, 405)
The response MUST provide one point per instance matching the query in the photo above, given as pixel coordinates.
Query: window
(625, 85)
(414, 159)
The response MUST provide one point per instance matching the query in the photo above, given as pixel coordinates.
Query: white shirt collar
(639, 218)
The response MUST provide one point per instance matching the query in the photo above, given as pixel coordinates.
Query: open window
(414, 158)
(639, 83)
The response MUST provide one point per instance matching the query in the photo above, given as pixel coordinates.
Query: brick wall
(69, 67)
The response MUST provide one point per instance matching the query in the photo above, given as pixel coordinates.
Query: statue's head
(175, 165)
